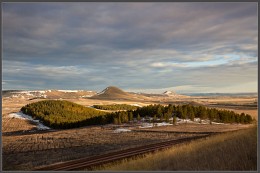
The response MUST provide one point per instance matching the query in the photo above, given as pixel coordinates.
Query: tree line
(116, 107)
(65, 114)
(191, 112)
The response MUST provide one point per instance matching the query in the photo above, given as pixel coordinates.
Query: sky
(140, 47)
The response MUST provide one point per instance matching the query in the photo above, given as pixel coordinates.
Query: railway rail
(83, 163)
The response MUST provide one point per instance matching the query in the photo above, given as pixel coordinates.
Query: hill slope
(114, 93)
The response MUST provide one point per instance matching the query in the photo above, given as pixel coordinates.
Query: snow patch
(121, 130)
(149, 125)
(85, 96)
(136, 105)
(216, 123)
(42, 92)
(28, 94)
(102, 92)
(180, 121)
(40, 126)
(20, 115)
(163, 124)
(197, 119)
(146, 125)
(169, 93)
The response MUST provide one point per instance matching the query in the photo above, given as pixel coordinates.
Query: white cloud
(27, 69)
(167, 64)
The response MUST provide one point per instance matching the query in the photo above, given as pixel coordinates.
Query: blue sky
(147, 47)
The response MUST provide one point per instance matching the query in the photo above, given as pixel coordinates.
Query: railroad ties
(83, 163)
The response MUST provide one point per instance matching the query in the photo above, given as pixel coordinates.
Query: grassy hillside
(233, 151)
(62, 114)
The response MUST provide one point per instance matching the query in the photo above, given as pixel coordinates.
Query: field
(52, 147)
(233, 151)
(26, 148)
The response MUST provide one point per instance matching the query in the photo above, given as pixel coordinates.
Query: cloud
(163, 65)
(19, 68)
(152, 26)
(169, 44)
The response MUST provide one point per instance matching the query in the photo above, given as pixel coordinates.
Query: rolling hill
(114, 93)
(48, 94)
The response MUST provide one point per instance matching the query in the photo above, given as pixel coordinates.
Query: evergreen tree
(138, 117)
(159, 112)
(167, 119)
(174, 120)
(184, 112)
(131, 116)
(115, 120)
(191, 115)
(154, 119)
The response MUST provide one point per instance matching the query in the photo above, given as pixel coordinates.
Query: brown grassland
(26, 151)
(231, 151)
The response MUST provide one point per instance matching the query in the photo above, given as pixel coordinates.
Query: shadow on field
(27, 132)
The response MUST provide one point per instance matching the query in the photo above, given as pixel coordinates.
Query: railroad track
(83, 163)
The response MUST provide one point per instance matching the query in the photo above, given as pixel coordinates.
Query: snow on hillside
(42, 93)
(169, 93)
(70, 91)
(174, 94)
(102, 92)
(85, 96)
(28, 94)
(20, 115)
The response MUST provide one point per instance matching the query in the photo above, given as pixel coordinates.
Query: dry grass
(253, 112)
(232, 151)
(24, 152)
